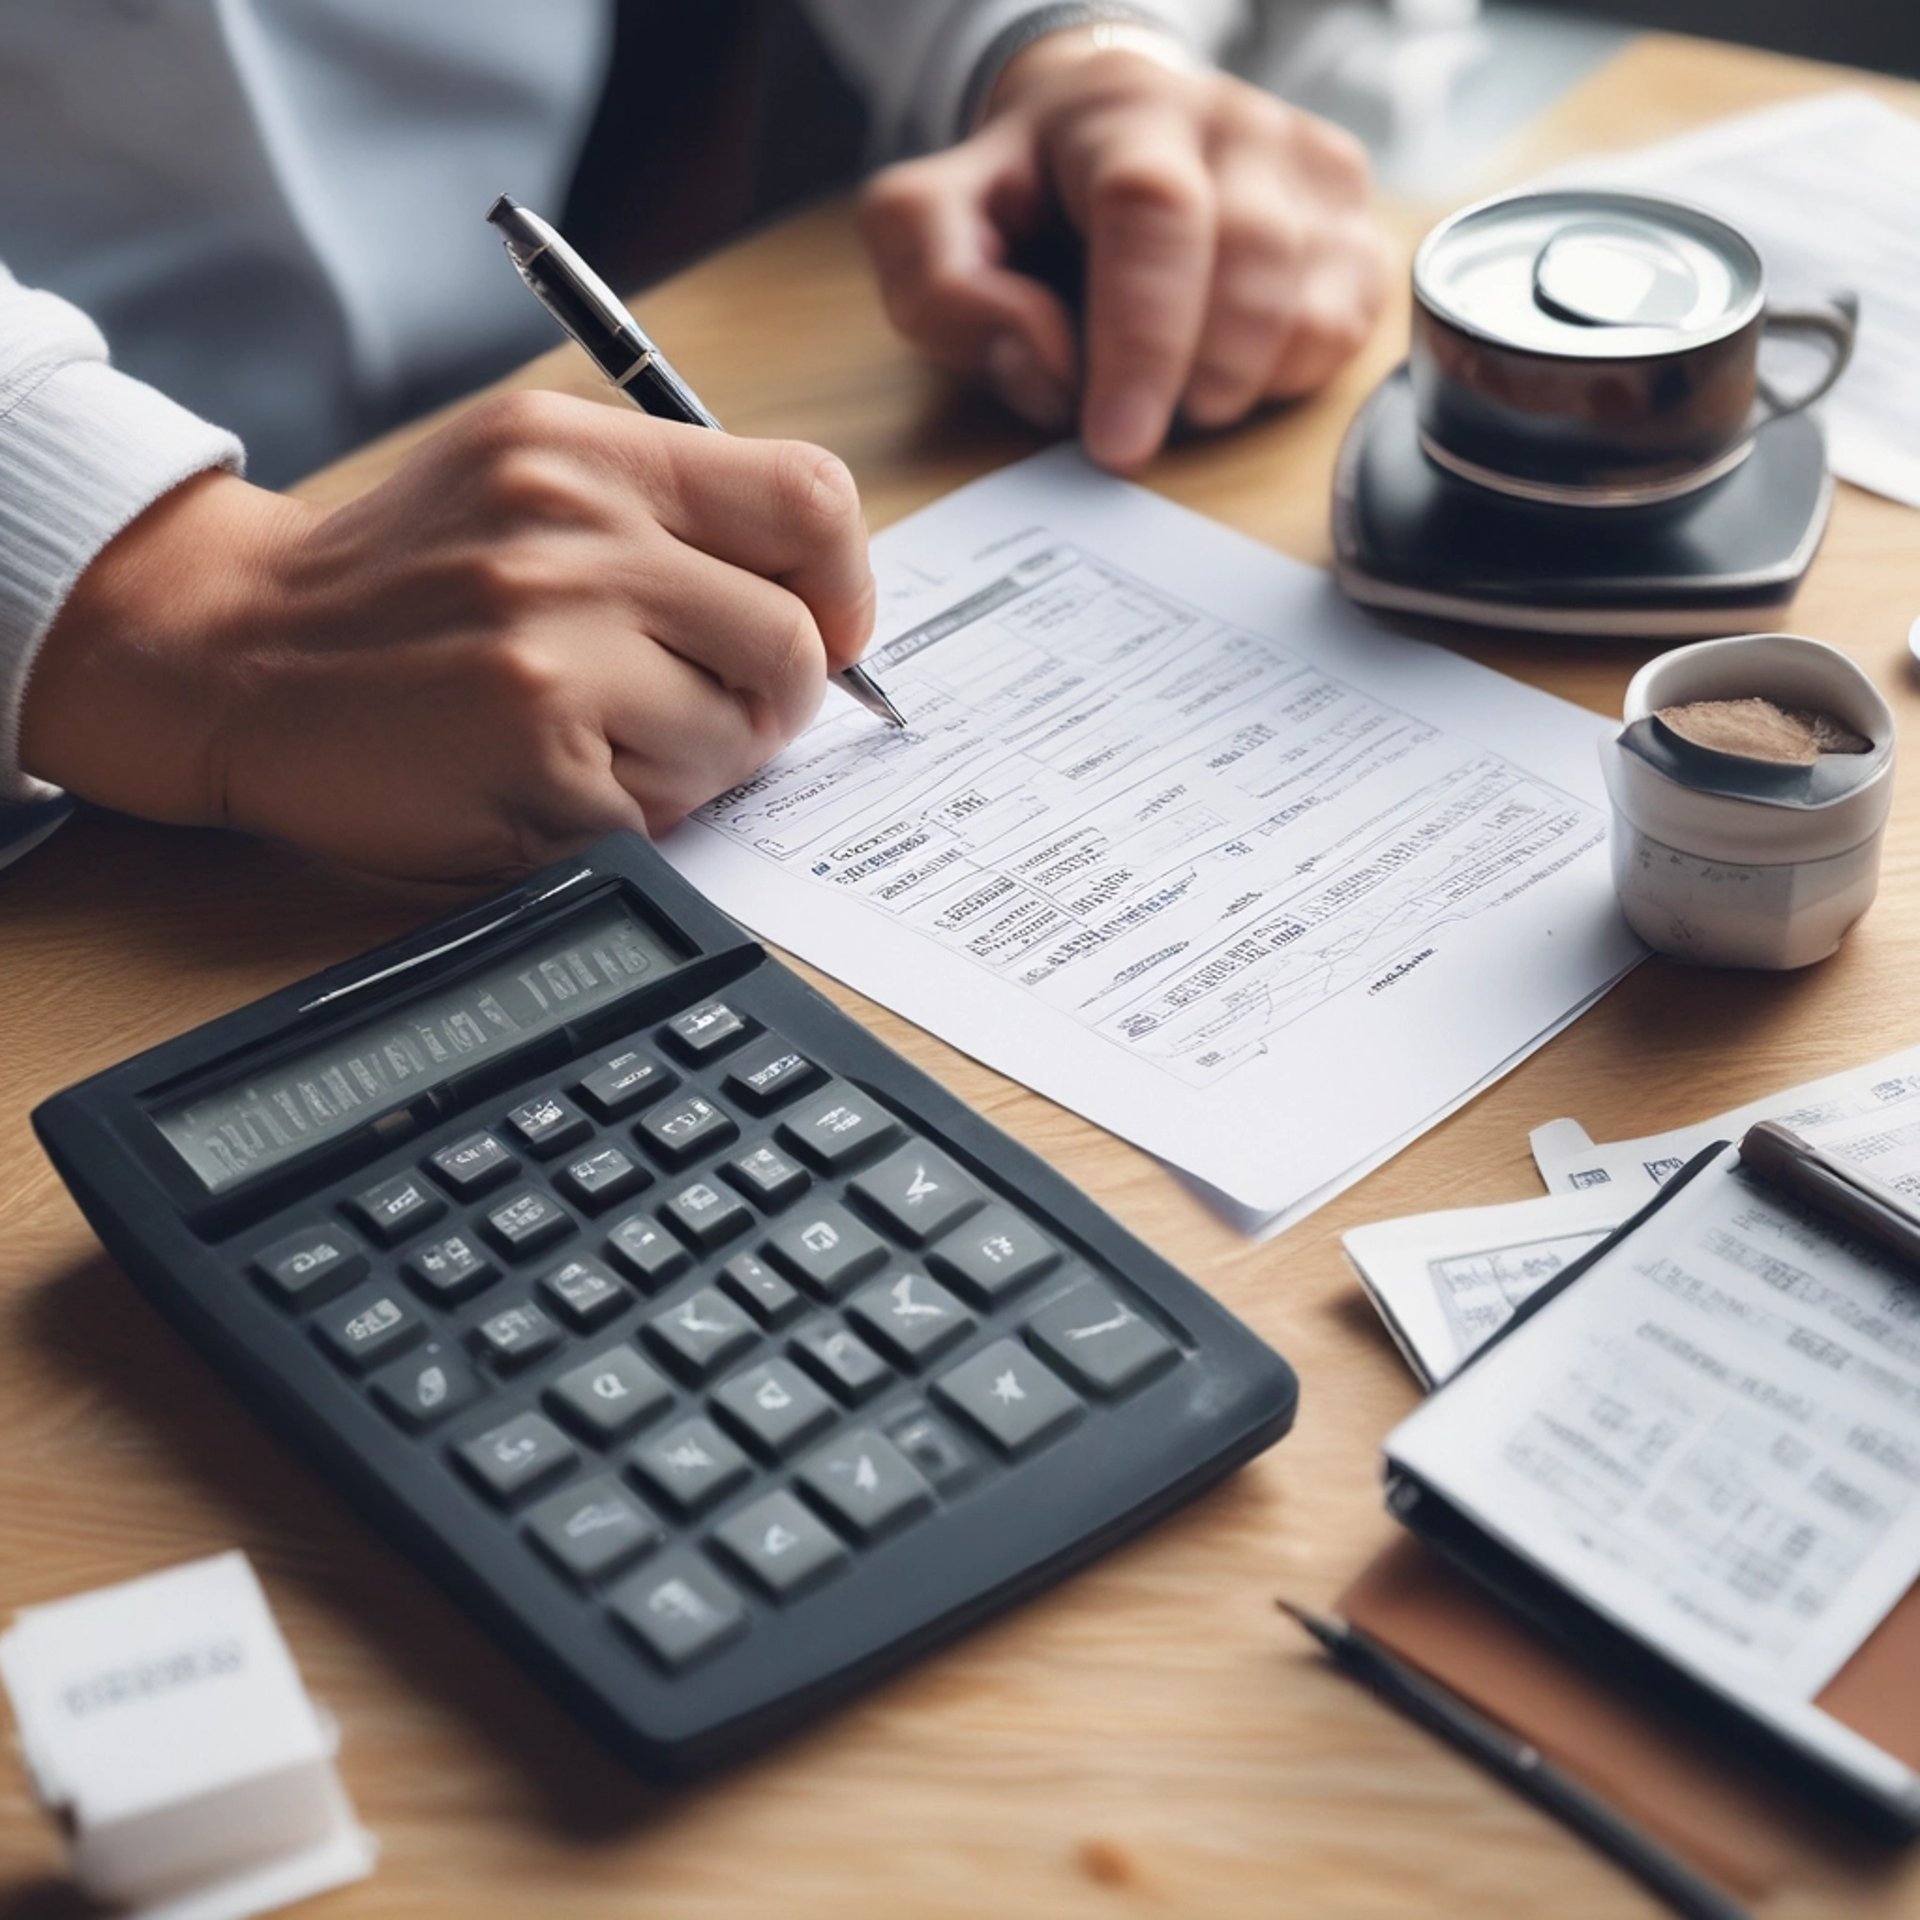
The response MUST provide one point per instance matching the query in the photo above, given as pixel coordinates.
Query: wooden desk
(1145, 1740)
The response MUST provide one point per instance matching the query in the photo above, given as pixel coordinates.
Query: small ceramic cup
(1735, 862)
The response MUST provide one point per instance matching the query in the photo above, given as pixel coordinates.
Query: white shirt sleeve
(914, 59)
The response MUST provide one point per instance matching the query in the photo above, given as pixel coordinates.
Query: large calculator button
(548, 1124)
(679, 1609)
(311, 1265)
(370, 1326)
(450, 1269)
(1010, 1395)
(682, 1129)
(703, 1332)
(610, 1396)
(994, 1253)
(912, 1317)
(593, 1529)
(1099, 1342)
(838, 1127)
(766, 1175)
(758, 1288)
(584, 1292)
(432, 1386)
(707, 1216)
(472, 1165)
(647, 1250)
(780, 1546)
(934, 1448)
(918, 1193)
(526, 1221)
(827, 1249)
(769, 1075)
(517, 1456)
(775, 1405)
(621, 1082)
(867, 1482)
(705, 1031)
(600, 1178)
(517, 1335)
(843, 1361)
(397, 1207)
(690, 1465)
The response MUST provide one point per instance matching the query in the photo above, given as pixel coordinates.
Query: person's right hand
(556, 618)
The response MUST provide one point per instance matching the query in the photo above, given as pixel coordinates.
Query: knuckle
(1256, 115)
(816, 490)
(893, 198)
(525, 675)
(1337, 155)
(1136, 185)
(500, 585)
(525, 480)
(520, 417)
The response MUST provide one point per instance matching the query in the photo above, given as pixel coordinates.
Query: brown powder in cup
(1758, 730)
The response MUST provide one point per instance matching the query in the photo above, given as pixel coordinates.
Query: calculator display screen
(226, 1134)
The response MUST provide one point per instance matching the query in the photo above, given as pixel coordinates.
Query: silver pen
(588, 309)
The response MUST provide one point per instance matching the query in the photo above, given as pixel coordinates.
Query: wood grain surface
(1144, 1740)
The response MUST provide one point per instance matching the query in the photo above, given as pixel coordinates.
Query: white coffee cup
(1732, 862)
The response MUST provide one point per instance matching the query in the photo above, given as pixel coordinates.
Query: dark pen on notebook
(587, 308)
(1845, 1194)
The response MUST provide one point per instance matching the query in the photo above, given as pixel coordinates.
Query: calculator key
(703, 1332)
(843, 1361)
(397, 1207)
(934, 1448)
(708, 1030)
(517, 1456)
(758, 1288)
(593, 1529)
(827, 1249)
(707, 1216)
(780, 1546)
(584, 1292)
(838, 1127)
(526, 1221)
(682, 1129)
(917, 1193)
(370, 1326)
(517, 1334)
(622, 1081)
(450, 1269)
(1099, 1342)
(771, 1074)
(1009, 1395)
(994, 1253)
(775, 1405)
(312, 1265)
(610, 1396)
(548, 1124)
(767, 1176)
(600, 1178)
(647, 1250)
(867, 1482)
(679, 1609)
(690, 1465)
(432, 1386)
(472, 1165)
(909, 1316)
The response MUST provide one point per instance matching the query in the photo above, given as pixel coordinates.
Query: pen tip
(503, 204)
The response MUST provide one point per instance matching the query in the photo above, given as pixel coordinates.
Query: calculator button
(610, 1396)
(647, 1251)
(1009, 1395)
(770, 1075)
(679, 1609)
(917, 1193)
(994, 1253)
(370, 1326)
(397, 1207)
(706, 1216)
(527, 1221)
(775, 1405)
(934, 1448)
(584, 1292)
(690, 1465)
(843, 1361)
(311, 1265)
(780, 1546)
(827, 1249)
(867, 1482)
(703, 1332)
(472, 1165)
(593, 1529)
(683, 1129)
(435, 1384)
(767, 1176)
(549, 1124)
(706, 1031)
(600, 1178)
(517, 1456)
(516, 1335)
(757, 1287)
(1099, 1342)
(450, 1269)
(620, 1083)
(838, 1127)
(911, 1317)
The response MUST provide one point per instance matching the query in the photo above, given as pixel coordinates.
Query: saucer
(1412, 538)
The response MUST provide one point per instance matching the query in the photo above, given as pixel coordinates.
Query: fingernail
(1025, 385)
(1126, 429)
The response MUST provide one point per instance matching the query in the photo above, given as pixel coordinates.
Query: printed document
(1180, 838)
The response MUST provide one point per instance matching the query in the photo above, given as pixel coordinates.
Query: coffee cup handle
(1836, 323)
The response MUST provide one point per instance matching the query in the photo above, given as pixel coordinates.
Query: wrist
(1035, 62)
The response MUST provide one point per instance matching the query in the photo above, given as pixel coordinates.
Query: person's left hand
(1231, 256)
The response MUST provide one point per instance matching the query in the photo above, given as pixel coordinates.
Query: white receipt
(1180, 838)
(1828, 189)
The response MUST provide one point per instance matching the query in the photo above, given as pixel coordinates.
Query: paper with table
(1180, 838)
